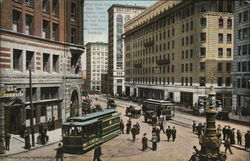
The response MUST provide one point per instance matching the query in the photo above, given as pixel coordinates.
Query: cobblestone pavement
(122, 148)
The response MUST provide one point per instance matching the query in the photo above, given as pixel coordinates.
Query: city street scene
(157, 80)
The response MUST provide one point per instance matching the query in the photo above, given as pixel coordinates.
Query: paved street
(122, 148)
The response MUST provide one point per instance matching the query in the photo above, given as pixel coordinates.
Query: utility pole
(31, 110)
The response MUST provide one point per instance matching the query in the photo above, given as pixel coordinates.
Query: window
(186, 81)
(191, 39)
(240, 17)
(203, 22)
(55, 63)
(202, 66)
(29, 3)
(75, 63)
(203, 7)
(27, 94)
(202, 81)
(30, 60)
(203, 37)
(229, 52)
(244, 50)
(220, 22)
(45, 29)
(187, 40)
(229, 23)
(73, 35)
(55, 32)
(186, 67)
(45, 6)
(49, 93)
(220, 37)
(239, 50)
(219, 67)
(191, 53)
(191, 25)
(172, 80)
(73, 11)
(16, 21)
(28, 23)
(186, 54)
(191, 81)
(220, 81)
(243, 83)
(220, 52)
(228, 81)
(173, 31)
(187, 27)
(182, 81)
(238, 83)
(55, 8)
(191, 67)
(172, 43)
(228, 67)
(46, 62)
(245, 16)
(202, 52)
(244, 66)
(244, 33)
(17, 59)
(229, 38)
(239, 66)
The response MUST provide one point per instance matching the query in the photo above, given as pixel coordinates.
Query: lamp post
(31, 110)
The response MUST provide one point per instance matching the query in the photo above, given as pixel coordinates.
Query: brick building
(48, 36)
(178, 49)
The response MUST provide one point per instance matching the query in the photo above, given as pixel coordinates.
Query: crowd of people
(156, 130)
(227, 134)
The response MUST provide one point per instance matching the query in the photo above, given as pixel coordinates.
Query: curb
(36, 147)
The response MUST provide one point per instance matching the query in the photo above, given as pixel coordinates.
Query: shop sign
(10, 91)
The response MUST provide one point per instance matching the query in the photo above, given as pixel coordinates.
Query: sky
(96, 17)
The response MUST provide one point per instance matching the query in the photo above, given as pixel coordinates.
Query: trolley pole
(31, 110)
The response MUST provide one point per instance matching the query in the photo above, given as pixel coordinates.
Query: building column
(166, 94)
(177, 96)
(2, 117)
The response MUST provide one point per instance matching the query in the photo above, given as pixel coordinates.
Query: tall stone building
(178, 49)
(118, 15)
(241, 64)
(97, 64)
(46, 35)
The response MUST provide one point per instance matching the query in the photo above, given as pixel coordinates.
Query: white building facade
(118, 15)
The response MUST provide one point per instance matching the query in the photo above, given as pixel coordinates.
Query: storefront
(187, 98)
(146, 93)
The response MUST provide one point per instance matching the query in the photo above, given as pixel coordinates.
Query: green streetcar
(154, 108)
(84, 132)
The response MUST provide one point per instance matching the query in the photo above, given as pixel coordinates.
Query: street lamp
(31, 110)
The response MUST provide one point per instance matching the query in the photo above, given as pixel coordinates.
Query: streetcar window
(65, 131)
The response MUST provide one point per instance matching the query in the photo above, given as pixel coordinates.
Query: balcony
(163, 62)
(138, 65)
(149, 43)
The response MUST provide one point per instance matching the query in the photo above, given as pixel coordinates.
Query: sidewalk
(17, 143)
(235, 118)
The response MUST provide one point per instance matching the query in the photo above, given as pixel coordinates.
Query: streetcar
(84, 132)
(152, 108)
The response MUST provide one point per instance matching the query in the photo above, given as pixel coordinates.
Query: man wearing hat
(59, 152)
(154, 141)
(97, 153)
(247, 140)
(144, 142)
(168, 132)
(133, 132)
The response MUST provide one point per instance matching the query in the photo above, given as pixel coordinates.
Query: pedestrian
(2, 147)
(218, 134)
(121, 127)
(229, 132)
(128, 126)
(194, 126)
(219, 127)
(196, 152)
(27, 140)
(133, 132)
(168, 132)
(232, 136)
(43, 137)
(224, 132)
(204, 128)
(227, 145)
(59, 152)
(7, 140)
(157, 129)
(173, 133)
(97, 153)
(154, 142)
(49, 124)
(138, 128)
(199, 130)
(144, 142)
(161, 127)
(247, 140)
(53, 123)
(40, 128)
(239, 137)
(22, 129)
